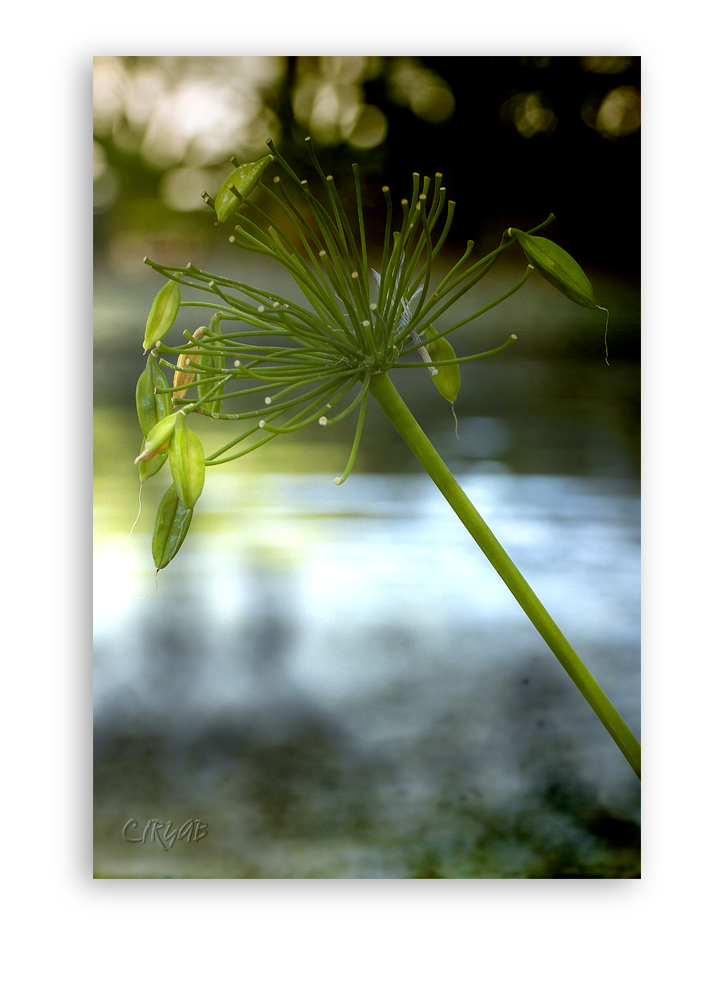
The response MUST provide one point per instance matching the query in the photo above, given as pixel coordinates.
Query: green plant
(348, 340)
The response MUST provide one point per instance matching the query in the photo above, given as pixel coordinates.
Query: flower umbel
(305, 360)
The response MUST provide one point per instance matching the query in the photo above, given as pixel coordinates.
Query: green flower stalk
(319, 363)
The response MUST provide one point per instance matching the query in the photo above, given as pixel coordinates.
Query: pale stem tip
(323, 421)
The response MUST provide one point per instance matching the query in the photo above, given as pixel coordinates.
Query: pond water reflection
(337, 682)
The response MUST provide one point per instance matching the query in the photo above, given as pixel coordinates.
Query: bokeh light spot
(616, 115)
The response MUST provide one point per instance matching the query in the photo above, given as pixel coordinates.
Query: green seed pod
(186, 463)
(172, 522)
(213, 407)
(447, 381)
(244, 179)
(151, 406)
(159, 437)
(162, 314)
(151, 466)
(558, 267)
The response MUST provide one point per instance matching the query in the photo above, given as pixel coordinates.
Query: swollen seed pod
(558, 267)
(185, 378)
(447, 380)
(151, 406)
(186, 463)
(159, 437)
(244, 179)
(172, 522)
(162, 315)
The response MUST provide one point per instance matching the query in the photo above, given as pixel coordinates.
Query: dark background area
(498, 164)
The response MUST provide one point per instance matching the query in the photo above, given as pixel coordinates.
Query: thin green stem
(393, 405)
(355, 444)
(460, 361)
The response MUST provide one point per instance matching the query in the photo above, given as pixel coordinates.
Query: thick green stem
(395, 408)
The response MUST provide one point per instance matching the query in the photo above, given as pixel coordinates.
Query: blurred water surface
(337, 682)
